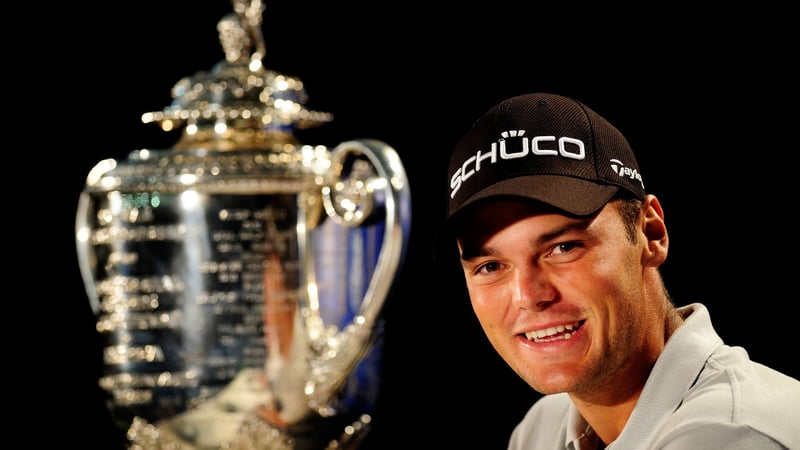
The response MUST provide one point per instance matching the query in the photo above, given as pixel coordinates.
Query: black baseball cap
(544, 147)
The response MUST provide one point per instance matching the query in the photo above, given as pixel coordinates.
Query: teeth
(563, 332)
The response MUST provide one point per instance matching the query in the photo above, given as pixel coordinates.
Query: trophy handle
(354, 196)
(87, 261)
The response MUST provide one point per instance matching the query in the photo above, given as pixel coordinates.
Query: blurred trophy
(238, 278)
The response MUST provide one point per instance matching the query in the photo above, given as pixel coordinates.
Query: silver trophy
(238, 278)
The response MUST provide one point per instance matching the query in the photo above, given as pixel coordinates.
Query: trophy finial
(234, 38)
(238, 103)
(243, 29)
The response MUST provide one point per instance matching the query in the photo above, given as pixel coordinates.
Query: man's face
(560, 298)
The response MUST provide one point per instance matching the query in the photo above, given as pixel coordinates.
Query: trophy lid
(238, 98)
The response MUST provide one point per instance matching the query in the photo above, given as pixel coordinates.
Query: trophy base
(253, 434)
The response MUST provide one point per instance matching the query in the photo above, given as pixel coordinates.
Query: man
(561, 247)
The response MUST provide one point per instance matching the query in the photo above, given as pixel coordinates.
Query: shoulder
(719, 435)
(738, 400)
(726, 382)
(705, 391)
(544, 423)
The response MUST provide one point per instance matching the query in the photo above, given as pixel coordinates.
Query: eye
(488, 267)
(564, 247)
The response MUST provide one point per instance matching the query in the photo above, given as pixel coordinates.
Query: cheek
(618, 282)
(609, 267)
(478, 297)
(489, 304)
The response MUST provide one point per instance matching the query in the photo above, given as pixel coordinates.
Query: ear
(655, 231)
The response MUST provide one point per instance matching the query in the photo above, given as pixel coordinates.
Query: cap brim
(572, 195)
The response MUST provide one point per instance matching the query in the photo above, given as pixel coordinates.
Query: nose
(531, 288)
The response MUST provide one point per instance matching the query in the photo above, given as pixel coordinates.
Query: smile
(553, 333)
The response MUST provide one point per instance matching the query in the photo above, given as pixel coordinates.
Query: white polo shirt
(701, 394)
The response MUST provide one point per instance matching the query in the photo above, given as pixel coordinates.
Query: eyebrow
(474, 251)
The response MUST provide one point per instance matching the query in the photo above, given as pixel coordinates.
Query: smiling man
(561, 247)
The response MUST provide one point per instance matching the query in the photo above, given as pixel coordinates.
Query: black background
(704, 99)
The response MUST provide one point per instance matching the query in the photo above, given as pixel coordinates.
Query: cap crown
(545, 147)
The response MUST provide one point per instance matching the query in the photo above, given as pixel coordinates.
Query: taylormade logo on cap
(544, 147)
(624, 171)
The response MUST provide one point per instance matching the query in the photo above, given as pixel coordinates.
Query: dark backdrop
(702, 100)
